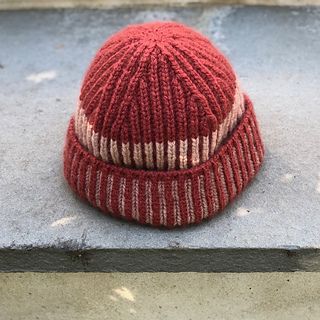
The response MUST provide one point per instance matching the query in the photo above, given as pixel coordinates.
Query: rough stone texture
(32, 4)
(145, 296)
(273, 225)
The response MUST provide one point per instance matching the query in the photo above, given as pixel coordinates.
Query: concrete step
(272, 226)
(108, 4)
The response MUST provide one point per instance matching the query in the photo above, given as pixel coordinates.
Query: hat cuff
(168, 198)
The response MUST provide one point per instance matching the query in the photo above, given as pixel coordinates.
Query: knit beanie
(163, 133)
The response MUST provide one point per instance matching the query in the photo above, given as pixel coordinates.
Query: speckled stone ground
(158, 296)
(273, 225)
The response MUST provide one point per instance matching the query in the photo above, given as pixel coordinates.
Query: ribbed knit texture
(162, 133)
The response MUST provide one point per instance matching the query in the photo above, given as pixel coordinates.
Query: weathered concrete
(107, 4)
(191, 296)
(273, 225)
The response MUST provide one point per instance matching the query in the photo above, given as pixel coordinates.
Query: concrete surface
(272, 226)
(41, 4)
(188, 296)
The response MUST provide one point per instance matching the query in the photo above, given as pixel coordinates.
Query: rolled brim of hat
(168, 198)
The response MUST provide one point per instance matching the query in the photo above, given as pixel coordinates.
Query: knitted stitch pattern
(163, 133)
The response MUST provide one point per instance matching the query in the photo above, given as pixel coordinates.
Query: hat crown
(157, 96)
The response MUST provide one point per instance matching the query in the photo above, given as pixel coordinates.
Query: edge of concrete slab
(108, 4)
(155, 260)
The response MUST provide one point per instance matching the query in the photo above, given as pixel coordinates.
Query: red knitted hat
(163, 133)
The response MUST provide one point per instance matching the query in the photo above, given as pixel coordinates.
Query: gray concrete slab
(158, 296)
(273, 225)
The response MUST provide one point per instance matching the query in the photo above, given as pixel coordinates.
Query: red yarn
(163, 133)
